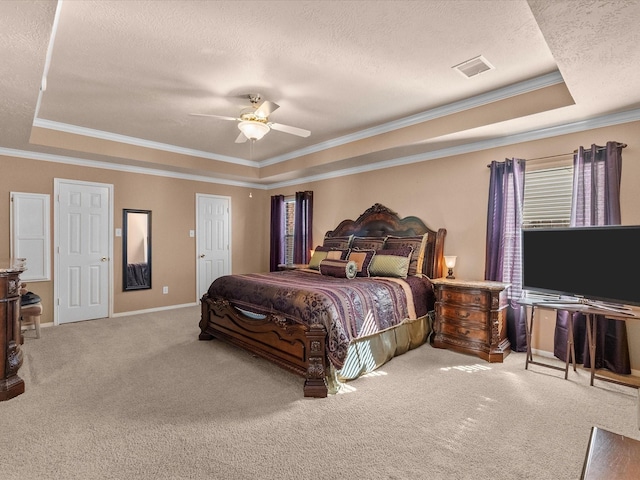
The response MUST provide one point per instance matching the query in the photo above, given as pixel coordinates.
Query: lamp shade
(253, 130)
(450, 260)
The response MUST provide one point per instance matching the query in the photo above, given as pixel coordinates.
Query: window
(547, 197)
(289, 223)
(30, 237)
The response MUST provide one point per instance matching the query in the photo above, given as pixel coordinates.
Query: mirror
(136, 249)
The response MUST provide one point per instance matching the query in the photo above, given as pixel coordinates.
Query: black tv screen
(596, 263)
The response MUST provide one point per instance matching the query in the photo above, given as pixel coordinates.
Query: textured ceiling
(122, 78)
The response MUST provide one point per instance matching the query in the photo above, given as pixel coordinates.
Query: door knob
(202, 255)
(103, 259)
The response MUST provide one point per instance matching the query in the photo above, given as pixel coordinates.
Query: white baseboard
(151, 310)
(31, 327)
(544, 353)
(124, 314)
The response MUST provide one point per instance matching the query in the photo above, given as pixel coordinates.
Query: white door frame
(197, 233)
(56, 242)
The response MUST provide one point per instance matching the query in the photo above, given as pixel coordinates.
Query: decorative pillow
(320, 253)
(418, 243)
(338, 268)
(341, 243)
(365, 243)
(391, 263)
(362, 258)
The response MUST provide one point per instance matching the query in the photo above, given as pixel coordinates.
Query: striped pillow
(341, 243)
(370, 243)
(338, 268)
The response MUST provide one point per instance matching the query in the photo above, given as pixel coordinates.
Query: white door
(83, 224)
(213, 241)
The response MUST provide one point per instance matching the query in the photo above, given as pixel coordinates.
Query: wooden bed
(300, 348)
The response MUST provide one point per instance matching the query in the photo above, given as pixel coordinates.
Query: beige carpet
(141, 398)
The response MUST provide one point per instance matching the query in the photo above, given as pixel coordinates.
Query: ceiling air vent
(473, 67)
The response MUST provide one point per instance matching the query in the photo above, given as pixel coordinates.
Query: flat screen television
(590, 263)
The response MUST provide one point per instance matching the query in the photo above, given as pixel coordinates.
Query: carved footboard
(292, 346)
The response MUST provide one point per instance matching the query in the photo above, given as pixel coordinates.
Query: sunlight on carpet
(375, 373)
(346, 388)
(467, 368)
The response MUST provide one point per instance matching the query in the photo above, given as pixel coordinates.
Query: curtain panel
(303, 227)
(503, 261)
(277, 247)
(597, 173)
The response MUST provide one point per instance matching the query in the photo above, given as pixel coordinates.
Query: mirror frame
(125, 253)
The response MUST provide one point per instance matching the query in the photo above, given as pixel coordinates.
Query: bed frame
(299, 348)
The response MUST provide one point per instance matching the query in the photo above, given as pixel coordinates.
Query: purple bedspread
(348, 308)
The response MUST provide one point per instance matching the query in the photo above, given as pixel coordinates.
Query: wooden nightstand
(471, 317)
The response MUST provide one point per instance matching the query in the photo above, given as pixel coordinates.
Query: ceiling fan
(254, 122)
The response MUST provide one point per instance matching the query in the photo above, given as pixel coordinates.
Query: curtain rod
(621, 145)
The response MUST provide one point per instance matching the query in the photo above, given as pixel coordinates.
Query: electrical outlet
(165, 290)
(192, 233)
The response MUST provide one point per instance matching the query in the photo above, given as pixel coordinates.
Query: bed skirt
(366, 354)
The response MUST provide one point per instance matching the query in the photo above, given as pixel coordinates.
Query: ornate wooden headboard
(379, 221)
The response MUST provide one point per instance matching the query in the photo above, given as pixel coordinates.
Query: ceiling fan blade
(266, 108)
(241, 138)
(221, 117)
(301, 132)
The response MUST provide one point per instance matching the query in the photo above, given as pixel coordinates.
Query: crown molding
(548, 132)
(47, 60)
(589, 124)
(47, 157)
(455, 107)
(138, 142)
(520, 88)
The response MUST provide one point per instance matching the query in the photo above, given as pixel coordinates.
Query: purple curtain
(303, 227)
(503, 262)
(596, 201)
(277, 253)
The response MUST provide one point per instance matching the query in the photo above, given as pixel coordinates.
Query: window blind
(290, 206)
(547, 197)
(30, 235)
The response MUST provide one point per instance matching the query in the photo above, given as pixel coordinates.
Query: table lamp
(450, 262)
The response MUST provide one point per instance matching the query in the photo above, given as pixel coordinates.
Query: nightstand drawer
(462, 332)
(476, 298)
(454, 313)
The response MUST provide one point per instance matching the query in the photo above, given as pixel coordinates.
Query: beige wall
(172, 203)
(453, 193)
(447, 192)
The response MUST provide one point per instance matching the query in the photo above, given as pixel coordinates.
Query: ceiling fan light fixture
(253, 130)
